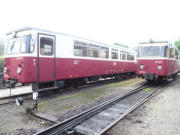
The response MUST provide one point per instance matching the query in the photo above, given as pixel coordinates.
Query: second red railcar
(157, 60)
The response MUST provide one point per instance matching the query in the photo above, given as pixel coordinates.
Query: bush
(1, 63)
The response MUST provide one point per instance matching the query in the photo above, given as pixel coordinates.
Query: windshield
(152, 51)
(14, 45)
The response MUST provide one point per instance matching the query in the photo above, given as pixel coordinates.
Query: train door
(173, 61)
(170, 62)
(46, 58)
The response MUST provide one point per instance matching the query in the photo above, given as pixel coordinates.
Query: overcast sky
(108, 21)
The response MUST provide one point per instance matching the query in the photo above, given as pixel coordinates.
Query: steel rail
(72, 122)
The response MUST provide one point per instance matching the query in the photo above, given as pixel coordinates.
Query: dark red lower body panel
(169, 67)
(78, 68)
(28, 66)
(66, 68)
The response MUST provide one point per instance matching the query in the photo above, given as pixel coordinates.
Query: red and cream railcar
(157, 60)
(39, 56)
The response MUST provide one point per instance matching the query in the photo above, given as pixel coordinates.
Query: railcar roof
(155, 42)
(48, 31)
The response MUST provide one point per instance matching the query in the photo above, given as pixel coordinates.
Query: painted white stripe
(152, 58)
(83, 58)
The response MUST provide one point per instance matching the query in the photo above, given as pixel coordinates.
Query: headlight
(5, 69)
(19, 70)
(141, 66)
(159, 67)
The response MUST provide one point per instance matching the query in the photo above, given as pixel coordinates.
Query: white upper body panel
(64, 44)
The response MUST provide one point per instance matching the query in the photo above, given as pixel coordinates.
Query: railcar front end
(157, 60)
(19, 58)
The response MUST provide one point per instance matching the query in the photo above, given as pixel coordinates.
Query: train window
(13, 46)
(140, 51)
(104, 52)
(46, 46)
(93, 50)
(25, 46)
(164, 51)
(176, 54)
(80, 48)
(123, 56)
(151, 50)
(128, 57)
(171, 52)
(114, 54)
(132, 57)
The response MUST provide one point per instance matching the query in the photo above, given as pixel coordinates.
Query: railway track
(28, 96)
(101, 118)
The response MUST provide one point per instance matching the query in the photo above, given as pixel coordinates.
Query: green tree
(177, 43)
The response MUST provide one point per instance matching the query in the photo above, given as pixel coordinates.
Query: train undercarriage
(156, 78)
(73, 83)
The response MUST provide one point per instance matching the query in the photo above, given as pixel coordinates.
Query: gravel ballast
(160, 115)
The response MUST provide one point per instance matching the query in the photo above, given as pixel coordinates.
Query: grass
(67, 102)
(147, 89)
